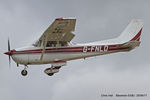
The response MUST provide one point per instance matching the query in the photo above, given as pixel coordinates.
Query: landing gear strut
(24, 71)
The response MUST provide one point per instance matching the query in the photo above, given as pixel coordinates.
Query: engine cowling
(51, 71)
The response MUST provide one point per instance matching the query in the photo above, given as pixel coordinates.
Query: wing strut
(43, 46)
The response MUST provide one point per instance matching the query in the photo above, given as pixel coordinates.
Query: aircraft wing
(59, 31)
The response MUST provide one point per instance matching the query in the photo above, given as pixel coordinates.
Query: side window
(54, 43)
(62, 43)
(48, 44)
(51, 44)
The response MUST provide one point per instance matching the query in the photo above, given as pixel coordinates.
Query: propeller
(9, 55)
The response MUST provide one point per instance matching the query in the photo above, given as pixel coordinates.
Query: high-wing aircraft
(54, 46)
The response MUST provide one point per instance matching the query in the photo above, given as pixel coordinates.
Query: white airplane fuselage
(31, 55)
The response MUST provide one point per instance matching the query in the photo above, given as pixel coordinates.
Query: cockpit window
(51, 43)
(37, 43)
(62, 43)
(56, 44)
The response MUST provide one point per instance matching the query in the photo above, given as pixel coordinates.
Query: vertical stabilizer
(132, 31)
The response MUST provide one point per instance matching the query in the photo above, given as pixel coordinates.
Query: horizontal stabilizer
(130, 45)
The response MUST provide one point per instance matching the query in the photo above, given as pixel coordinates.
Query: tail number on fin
(95, 48)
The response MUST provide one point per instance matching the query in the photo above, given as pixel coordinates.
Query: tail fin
(131, 35)
(137, 37)
(132, 31)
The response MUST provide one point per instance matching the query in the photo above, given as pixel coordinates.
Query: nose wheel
(24, 71)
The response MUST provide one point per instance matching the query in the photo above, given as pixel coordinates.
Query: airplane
(54, 46)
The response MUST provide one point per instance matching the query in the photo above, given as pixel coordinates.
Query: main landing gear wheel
(24, 72)
(58, 67)
(51, 74)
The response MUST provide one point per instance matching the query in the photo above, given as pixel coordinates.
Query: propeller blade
(9, 62)
(9, 55)
(8, 45)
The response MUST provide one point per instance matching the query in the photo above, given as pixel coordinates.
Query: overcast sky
(23, 21)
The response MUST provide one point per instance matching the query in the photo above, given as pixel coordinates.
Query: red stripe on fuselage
(71, 49)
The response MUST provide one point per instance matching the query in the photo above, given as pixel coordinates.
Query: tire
(51, 74)
(24, 72)
(58, 67)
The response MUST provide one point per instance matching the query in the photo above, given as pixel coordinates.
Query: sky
(23, 21)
